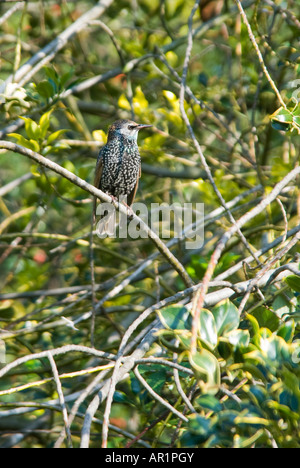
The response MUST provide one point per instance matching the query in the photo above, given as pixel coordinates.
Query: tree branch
(199, 298)
(38, 158)
(45, 55)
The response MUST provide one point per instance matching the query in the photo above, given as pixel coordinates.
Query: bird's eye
(131, 127)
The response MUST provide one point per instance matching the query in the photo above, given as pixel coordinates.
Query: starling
(118, 166)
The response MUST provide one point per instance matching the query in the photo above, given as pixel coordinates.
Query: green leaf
(139, 101)
(46, 150)
(52, 74)
(45, 89)
(224, 348)
(30, 144)
(208, 331)
(282, 119)
(121, 397)
(123, 102)
(282, 306)
(294, 282)
(68, 165)
(266, 318)
(292, 104)
(175, 317)
(207, 370)
(228, 259)
(156, 377)
(55, 135)
(282, 115)
(239, 338)
(286, 331)
(282, 126)
(274, 348)
(34, 145)
(253, 420)
(65, 77)
(226, 317)
(44, 123)
(32, 128)
(199, 429)
(20, 139)
(100, 135)
(209, 402)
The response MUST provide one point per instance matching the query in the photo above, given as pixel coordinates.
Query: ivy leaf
(286, 118)
(208, 330)
(294, 282)
(226, 317)
(207, 370)
(175, 317)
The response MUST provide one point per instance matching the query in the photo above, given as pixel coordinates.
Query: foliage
(240, 387)
(262, 368)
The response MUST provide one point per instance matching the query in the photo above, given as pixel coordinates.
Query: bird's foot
(114, 199)
(128, 208)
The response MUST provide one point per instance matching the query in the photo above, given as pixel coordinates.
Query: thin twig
(199, 298)
(267, 267)
(35, 63)
(15, 183)
(191, 131)
(121, 373)
(11, 11)
(158, 397)
(61, 398)
(55, 352)
(259, 55)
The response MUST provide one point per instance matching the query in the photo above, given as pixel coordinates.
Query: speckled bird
(118, 166)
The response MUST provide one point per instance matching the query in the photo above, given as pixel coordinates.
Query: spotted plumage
(118, 166)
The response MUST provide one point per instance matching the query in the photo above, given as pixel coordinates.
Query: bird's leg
(123, 200)
(128, 207)
(114, 199)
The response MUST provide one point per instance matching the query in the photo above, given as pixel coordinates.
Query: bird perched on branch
(118, 166)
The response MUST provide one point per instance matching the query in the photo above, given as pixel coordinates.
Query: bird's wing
(98, 174)
(131, 196)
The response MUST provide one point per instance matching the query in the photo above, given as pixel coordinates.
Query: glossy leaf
(45, 89)
(55, 135)
(294, 282)
(208, 331)
(207, 370)
(44, 123)
(226, 317)
(175, 317)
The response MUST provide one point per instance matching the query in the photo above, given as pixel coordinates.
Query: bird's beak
(141, 126)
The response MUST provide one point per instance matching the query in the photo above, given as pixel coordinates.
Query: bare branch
(199, 298)
(14, 183)
(157, 397)
(259, 55)
(35, 63)
(18, 6)
(61, 398)
(55, 352)
(104, 197)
